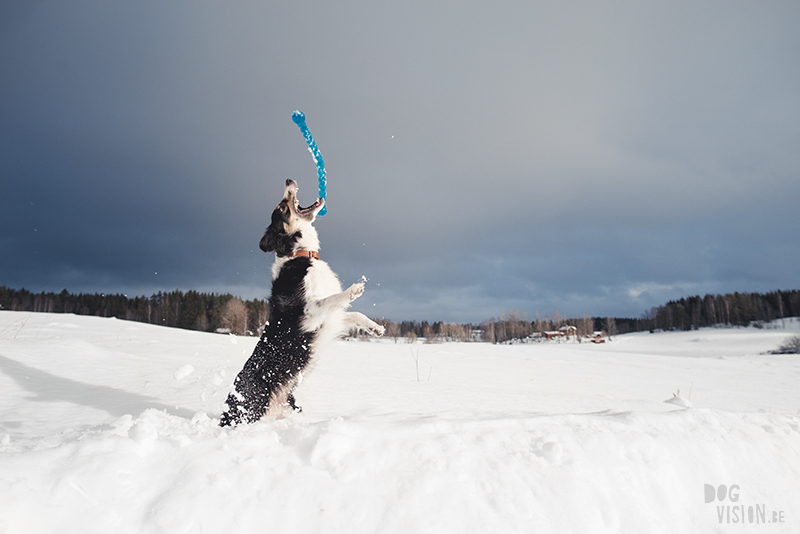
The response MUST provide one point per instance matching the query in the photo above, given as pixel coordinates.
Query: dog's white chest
(321, 281)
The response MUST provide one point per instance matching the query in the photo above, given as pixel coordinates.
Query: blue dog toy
(299, 119)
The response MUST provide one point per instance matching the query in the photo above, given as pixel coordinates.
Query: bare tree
(557, 320)
(234, 316)
(585, 326)
(427, 332)
(538, 325)
(392, 330)
(455, 332)
(611, 327)
(489, 331)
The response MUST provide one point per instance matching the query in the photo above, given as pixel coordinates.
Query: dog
(306, 312)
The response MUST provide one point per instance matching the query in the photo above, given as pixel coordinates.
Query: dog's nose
(290, 183)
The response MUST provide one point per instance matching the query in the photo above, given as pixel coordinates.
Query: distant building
(569, 330)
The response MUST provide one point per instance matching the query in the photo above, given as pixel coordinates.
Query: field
(111, 426)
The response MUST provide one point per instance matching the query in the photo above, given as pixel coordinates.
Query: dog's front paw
(378, 330)
(355, 291)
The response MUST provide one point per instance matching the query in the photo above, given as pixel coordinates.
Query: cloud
(497, 156)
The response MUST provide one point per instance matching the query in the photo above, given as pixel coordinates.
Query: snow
(183, 371)
(111, 426)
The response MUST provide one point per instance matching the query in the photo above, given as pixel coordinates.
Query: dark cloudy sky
(587, 157)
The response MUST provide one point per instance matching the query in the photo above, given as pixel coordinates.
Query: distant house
(569, 330)
(566, 332)
(597, 337)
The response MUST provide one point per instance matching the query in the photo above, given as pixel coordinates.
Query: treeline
(439, 330)
(516, 325)
(737, 309)
(191, 310)
(510, 326)
(227, 313)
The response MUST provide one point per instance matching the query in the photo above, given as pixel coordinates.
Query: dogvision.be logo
(730, 510)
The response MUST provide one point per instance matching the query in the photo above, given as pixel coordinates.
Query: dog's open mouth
(308, 210)
(290, 196)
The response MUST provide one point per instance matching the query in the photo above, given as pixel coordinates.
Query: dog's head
(291, 227)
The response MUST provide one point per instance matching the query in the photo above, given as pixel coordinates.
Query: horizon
(513, 315)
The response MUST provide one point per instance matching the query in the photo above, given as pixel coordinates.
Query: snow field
(107, 426)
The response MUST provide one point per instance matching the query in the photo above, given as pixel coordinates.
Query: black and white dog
(306, 312)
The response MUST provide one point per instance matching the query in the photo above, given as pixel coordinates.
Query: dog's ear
(275, 239)
(268, 241)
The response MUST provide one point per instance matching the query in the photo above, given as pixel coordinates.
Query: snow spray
(299, 119)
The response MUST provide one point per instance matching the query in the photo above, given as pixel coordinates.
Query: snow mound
(605, 472)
